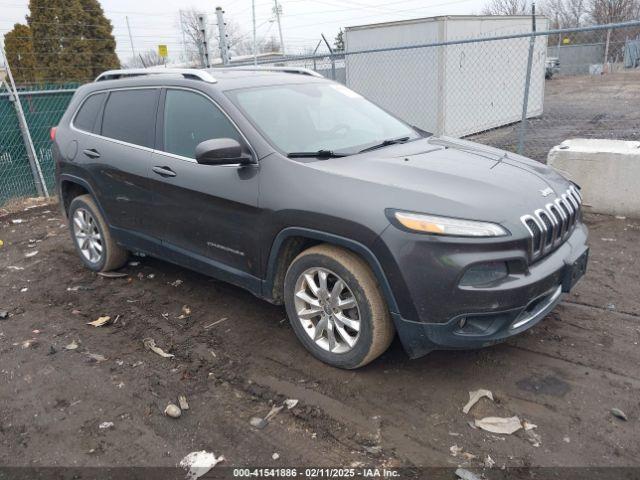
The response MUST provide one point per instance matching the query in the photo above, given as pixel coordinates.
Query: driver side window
(189, 119)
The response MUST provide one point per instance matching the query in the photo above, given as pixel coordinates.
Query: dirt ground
(586, 106)
(236, 356)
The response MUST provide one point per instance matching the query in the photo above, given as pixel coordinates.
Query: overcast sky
(153, 22)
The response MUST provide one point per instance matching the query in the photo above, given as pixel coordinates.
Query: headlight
(418, 222)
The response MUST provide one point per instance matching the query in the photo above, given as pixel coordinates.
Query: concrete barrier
(607, 170)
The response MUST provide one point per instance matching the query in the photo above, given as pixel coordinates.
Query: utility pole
(184, 42)
(202, 25)
(255, 46)
(133, 50)
(224, 49)
(277, 8)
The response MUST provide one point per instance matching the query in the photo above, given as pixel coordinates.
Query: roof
(218, 78)
(443, 18)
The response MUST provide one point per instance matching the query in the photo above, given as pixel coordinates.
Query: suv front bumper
(448, 316)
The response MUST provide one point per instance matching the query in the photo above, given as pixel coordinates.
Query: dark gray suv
(308, 195)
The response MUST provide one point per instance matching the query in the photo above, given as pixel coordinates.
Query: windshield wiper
(385, 143)
(318, 154)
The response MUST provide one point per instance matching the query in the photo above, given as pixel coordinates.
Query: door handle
(91, 153)
(164, 171)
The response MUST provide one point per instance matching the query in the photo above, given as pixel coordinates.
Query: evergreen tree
(18, 47)
(61, 52)
(338, 43)
(99, 33)
(72, 39)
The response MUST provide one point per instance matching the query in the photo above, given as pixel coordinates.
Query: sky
(156, 22)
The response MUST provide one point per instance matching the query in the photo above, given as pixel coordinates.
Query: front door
(207, 212)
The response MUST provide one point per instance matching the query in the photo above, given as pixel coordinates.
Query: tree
(148, 58)
(61, 52)
(338, 43)
(239, 42)
(98, 32)
(190, 24)
(613, 11)
(505, 7)
(567, 13)
(270, 45)
(19, 53)
(72, 39)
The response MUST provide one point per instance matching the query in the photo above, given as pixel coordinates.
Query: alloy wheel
(88, 238)
(327, 310)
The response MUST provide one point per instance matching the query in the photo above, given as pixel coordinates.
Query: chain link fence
(16, 179)
(582, 82)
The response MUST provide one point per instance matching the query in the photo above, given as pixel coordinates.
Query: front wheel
(92, 238)
(336, 308)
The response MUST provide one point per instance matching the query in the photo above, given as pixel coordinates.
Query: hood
(458, 178)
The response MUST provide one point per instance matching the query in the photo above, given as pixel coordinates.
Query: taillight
(52, 133)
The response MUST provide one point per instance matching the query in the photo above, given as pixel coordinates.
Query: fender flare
(333, 239)
(66, 177)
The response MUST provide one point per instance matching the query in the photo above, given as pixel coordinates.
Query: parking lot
(236, 356)
(588, 106)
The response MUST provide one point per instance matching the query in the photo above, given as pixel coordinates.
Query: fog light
(484, 274)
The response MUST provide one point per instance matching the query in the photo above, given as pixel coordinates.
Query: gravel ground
(236, 357)
(577, 107)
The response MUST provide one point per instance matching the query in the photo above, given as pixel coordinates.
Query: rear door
(118, 155)
(208, 212)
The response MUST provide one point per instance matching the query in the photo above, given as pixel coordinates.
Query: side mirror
(221, 151)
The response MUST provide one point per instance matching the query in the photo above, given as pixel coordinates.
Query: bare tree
(270, 45)
(612, 11)
(241, 42)
(567, 13)
(190, 27)
(505, 7)
(148, 58)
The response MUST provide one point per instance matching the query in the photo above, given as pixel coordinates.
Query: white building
(455, 89)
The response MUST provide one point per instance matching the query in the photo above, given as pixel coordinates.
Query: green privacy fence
(43, 106)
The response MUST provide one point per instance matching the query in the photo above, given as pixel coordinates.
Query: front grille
(550, 226)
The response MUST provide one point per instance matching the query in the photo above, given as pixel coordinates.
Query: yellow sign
(566, 41)
(163, 51)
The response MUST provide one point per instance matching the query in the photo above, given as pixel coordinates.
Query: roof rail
(191, 73)
(298, 70)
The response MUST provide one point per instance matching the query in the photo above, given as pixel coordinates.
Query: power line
(397, 12)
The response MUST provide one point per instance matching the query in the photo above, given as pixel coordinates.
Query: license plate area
(574, 272)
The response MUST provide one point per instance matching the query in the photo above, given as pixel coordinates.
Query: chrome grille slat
(550, 226)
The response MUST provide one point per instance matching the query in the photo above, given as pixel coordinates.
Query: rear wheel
(336, 308)
(92, 238)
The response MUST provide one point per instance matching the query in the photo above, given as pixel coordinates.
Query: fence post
(202, 28)
(527, 83)
(333, 60)
(38, 178)
(605, 68)
(224, 50)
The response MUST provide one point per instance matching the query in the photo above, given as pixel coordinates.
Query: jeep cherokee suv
(306, 194)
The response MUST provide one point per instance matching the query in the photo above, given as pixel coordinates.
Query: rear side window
(130, 116)
(190, 118)
(88, 114)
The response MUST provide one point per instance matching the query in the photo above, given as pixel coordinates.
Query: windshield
(318, 117)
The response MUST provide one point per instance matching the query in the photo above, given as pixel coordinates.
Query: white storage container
(456, 89)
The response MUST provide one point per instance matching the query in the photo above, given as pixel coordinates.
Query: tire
(112, 256)
(375, 330)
